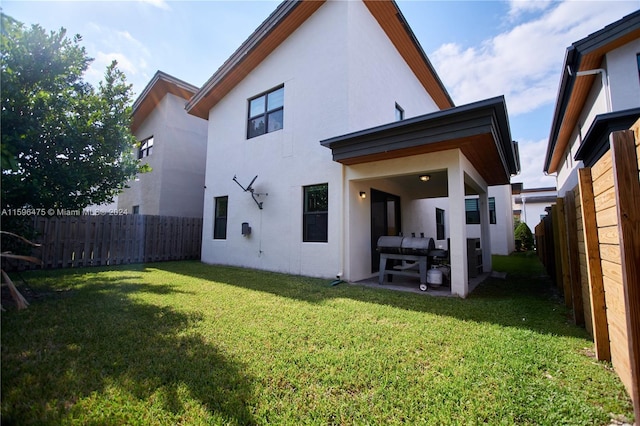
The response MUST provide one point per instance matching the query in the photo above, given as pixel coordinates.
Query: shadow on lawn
(524, 300)
(109, 353)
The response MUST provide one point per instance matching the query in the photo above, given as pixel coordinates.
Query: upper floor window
(266, 113)
(399, 113)
(146, 147)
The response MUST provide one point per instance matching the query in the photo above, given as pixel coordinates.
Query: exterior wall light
(425, 178)
(363, 195)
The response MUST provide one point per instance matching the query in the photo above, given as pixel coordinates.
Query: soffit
(395, 26)
(153, 94)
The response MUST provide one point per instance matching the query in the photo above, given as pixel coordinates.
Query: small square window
(136, 209)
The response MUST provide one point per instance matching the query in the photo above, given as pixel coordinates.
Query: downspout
(345, 201)
(605, 82)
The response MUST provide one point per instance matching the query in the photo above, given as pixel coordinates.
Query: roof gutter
(571, 61)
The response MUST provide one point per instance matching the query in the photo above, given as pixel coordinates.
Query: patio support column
(485, 232)
(458, 230)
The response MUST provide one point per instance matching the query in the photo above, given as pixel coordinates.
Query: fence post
(625, 174)
(594, 267)
(572, 258)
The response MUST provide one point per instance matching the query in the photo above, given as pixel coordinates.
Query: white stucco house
(600, 84)
(530, 204)
(336, 109)
(174, 144)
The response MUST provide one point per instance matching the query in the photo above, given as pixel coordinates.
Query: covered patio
(396, 174)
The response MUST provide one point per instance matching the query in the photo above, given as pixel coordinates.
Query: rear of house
(281, 195)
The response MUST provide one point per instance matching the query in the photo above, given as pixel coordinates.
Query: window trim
(306, 214)
(266, 113)
(220, 233)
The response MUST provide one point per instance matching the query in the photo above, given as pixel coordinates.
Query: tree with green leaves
(65, 144)
(523, 234)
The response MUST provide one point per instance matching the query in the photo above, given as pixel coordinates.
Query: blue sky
(480, 49)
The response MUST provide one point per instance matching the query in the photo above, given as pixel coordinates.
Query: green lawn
(186, 343)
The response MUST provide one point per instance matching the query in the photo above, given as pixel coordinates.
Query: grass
(186, 343)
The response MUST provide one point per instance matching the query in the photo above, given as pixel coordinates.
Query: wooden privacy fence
(590, 245)
(75, 241)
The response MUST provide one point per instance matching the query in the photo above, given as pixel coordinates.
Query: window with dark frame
(439, 224)
(399, 113)
(266, 113)
(220, 218)
(492, 210)
(472, 211)
(146, 147)
(136, 209)
(315, 221)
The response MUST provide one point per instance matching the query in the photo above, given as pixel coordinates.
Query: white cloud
(520, 7)
(524, 62)
(531, 155)
(131, 54)
(160, 4)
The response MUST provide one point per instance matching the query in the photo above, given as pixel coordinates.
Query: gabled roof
(161, 84)
(586, 54)
(283, 22)
(480, 130)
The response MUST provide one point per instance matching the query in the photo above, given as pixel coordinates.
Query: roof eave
(463, 122)
(594, 46)
(162, 83)
(596, 141)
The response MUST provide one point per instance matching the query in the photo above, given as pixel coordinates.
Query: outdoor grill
(414, 252)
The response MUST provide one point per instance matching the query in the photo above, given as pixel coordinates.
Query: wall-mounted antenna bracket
(250, 189)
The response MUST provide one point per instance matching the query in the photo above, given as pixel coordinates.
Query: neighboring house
(174, 144)
(600, 75)
(290, 105)
(530, 205)
(592, 239)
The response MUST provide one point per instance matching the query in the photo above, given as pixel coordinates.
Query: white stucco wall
(622, 66)
(175, 186)
(330, 88)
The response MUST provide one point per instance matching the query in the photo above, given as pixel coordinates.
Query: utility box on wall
(246, 229)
